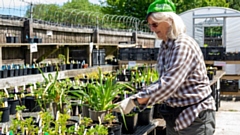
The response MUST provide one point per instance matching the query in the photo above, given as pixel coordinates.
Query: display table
(147, 129)
(215, 86)
(217, 77)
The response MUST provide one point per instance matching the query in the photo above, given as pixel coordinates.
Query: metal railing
(53, 14)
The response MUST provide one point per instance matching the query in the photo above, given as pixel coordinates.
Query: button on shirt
(182, 80)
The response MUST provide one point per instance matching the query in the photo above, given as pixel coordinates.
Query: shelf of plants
(53, 106)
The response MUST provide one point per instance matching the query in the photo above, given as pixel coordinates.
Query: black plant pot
(121, 77)
(145, 117)
(35, 71)
(5, 114)
(69, 66)
(50, 68)
(5, 73)
(10, 39)
(16, 72)
(29, 71)
(76, 109)
(32, 104)
(11, 73)
(30, 40)
(85, 111)
(1, 73)
(37, 40)
(115, 129)
(131, 123)
(44, 69)
(156, 111)
(63, 67)
(13, 103)
(15, 39)
(76, 66)
(210, 76)
(20, 72)
(22, 101)
(25, 71)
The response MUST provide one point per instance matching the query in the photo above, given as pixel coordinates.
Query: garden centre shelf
(223, 62)
(65, 45)
(24, 80)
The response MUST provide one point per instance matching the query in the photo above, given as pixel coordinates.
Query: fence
(52, 14)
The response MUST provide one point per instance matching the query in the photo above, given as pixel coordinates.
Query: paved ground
(228, 118)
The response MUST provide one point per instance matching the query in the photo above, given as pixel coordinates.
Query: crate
(79, 54)
(142, 54)
(98, 57)
(215, 53)
(229, 85)
(138, 53)
(232, 56)
(154, 53)
(204, 52)
(126, 53)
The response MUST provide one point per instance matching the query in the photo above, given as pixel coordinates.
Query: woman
(183, 87)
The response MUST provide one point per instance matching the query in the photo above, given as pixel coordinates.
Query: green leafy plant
(86, 121)
(62, 58)
(109, 118)
(101, 93)
(1, 113)
(101, 129)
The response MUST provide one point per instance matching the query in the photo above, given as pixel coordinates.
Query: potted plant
(101, 94)
(145, 117)
(210, 74)
(131, 121)
(114, 127)
(13, 101)
(69, 65)
(4, 108)
(62, 59)
(21, 124)
(76, 64)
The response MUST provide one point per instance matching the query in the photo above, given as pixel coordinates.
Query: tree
(138, 8)
(83, 5)
(74, 12)
(133, 8)
(234, 4)
(184, 5)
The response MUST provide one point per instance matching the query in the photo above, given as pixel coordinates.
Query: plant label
(33, 47)
(5, 89)
(16, 89)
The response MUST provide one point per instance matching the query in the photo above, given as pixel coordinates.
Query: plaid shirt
(183, 80)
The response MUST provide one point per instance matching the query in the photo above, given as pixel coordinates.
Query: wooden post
(0, 56)
(90, 48)
(30, 56)
(66, 53)
(27, 31)
(134, 37)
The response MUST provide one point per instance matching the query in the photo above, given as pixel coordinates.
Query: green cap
(161, 6)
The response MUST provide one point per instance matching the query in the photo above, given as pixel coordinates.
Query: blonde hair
(177, 25)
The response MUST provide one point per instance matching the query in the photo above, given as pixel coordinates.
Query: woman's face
(160, 28)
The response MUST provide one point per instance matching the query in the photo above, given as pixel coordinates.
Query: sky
(15, 3)
(18, 6)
